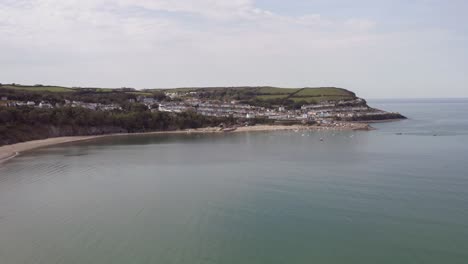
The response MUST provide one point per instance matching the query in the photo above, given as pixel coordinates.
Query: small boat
(229, 129)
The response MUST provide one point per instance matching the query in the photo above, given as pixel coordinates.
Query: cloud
(360, 24)
(62, 22)
(148, 43)
(185, 41)
(218, 9)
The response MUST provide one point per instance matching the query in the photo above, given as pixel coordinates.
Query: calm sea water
(395, 195)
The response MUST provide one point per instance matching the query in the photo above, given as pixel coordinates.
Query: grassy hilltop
(266, 96)
(37, 88)
(267, 93)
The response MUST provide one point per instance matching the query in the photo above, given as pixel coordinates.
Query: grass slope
(54, 89)
(308, 95)
(249, 93)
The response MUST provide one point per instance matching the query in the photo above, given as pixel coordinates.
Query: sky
(376, 48)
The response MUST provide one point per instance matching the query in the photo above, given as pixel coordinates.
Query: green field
(318, 99)
(61, 89)
(274, 90)
(267, 93)
(103, 90)
(249, 94)
(54, 89)
(141, 93)
(178, 90)
(257, 90)
(308, 95)
(271, 96)
(325, 91)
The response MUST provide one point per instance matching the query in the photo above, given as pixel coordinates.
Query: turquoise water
(395, 195)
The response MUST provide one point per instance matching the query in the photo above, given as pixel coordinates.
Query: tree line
(19, 124)
(83, 95)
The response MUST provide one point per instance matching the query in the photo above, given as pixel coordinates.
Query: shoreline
(8, 152)
(381, 121)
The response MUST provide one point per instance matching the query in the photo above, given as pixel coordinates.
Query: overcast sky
(377, 48)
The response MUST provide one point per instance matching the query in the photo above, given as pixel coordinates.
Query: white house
(45, 105)
(250, 115)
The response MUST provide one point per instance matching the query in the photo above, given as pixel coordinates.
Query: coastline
(381, 121)
(8, 152)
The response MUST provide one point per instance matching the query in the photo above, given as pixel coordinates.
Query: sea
(397, 194)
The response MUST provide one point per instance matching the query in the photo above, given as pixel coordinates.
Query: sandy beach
(10, 151)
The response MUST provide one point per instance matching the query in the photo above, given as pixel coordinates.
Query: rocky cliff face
(380, 116)
(348, 110)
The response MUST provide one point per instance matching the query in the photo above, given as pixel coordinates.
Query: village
(68, 103)
(323, 113)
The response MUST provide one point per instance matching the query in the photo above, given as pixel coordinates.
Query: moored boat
(229, 129)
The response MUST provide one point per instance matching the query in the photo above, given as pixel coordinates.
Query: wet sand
(10, 151)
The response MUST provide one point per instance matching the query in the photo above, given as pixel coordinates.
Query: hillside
(37, 88)
(266, 93)
(264, 96)
(52, 111)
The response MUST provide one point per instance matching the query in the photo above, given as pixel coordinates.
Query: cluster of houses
(214, 108)
(41, 104)
(48, 105)
(174, 95)
(342, 110)
(93, 106)
(322, 113)
(150, 102)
